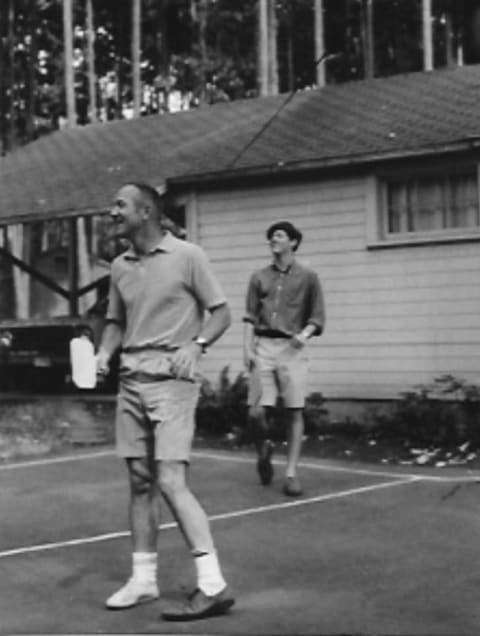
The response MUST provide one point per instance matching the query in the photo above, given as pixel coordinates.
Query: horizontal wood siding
(395, 317)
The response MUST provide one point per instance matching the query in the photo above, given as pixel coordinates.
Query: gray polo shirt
(160, 298)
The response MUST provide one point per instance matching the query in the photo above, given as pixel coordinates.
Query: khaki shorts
(161, 413)
(280, 371)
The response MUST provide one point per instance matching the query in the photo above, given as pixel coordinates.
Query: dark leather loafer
(199, 605)
(264, 463)
(292, 487)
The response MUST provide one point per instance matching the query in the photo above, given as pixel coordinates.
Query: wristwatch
(200, 340)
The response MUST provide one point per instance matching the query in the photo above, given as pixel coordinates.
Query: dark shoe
(292, 487)
(264, 463)
(199, 605)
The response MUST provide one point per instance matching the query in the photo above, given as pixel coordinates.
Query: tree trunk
(3, 77)
(136, 54)
(449, 39)
(367, 38)
(319, 43)
(290, 55)
(11, 76)
(202, 43)
(31, 70)
(427, 35)
(272, 48)
(163, 58)
(92, 84)
(68, 60)
(117, 67)
(262, 48)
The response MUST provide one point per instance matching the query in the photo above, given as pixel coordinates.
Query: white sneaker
(133, 593)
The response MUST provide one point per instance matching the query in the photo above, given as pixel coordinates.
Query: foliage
(444, 413)
(206, 50)
(315, 413)
(222, 408)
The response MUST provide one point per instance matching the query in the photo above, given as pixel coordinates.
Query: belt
(272, 333)
(141, 348)
(141, 376)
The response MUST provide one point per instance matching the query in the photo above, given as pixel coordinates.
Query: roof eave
(48, 214)
(317, 165)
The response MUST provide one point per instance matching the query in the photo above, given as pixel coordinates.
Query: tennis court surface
(364, 551)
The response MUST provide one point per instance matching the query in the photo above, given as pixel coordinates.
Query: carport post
(73, 267)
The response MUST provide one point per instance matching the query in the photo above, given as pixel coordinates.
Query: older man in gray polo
(159, 292)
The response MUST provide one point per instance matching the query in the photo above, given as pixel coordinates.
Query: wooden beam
(93, 285)
(73, 267)
(48, 282)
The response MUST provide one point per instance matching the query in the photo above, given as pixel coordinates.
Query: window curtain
(429, 206)
(424, 205)
(463, 203)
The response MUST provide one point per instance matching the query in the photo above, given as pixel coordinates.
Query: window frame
(378, 235)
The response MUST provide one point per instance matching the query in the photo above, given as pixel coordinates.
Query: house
(381, 175)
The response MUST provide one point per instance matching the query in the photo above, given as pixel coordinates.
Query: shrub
(222, 408)
(443, 413)
(315, 413)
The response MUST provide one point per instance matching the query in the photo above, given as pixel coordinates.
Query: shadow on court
(362, 552)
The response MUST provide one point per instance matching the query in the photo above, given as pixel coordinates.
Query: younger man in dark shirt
(284, 308)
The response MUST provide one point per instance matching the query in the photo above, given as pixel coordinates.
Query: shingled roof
(78, 170)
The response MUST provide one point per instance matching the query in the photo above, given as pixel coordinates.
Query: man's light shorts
(280, 370)
(163, 411)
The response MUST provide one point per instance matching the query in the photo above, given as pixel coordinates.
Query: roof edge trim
(280, 168)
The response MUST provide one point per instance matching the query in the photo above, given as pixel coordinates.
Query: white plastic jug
(82, 359)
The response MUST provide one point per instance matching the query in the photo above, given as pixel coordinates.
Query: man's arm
(251, 312)
(185, 359)
(110, 342)
(112, 335)
(248, 344)
(216, 324)
(316, 316)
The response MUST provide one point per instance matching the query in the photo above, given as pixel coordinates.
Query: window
(178, 216)
(422, 205)
(428, 206)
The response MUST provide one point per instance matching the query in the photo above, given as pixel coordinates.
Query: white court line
(249, 460)
(55, 460)
(346, 469)
(43, 547)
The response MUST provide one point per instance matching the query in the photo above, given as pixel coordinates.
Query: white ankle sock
(145, 567)
(209, 575)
